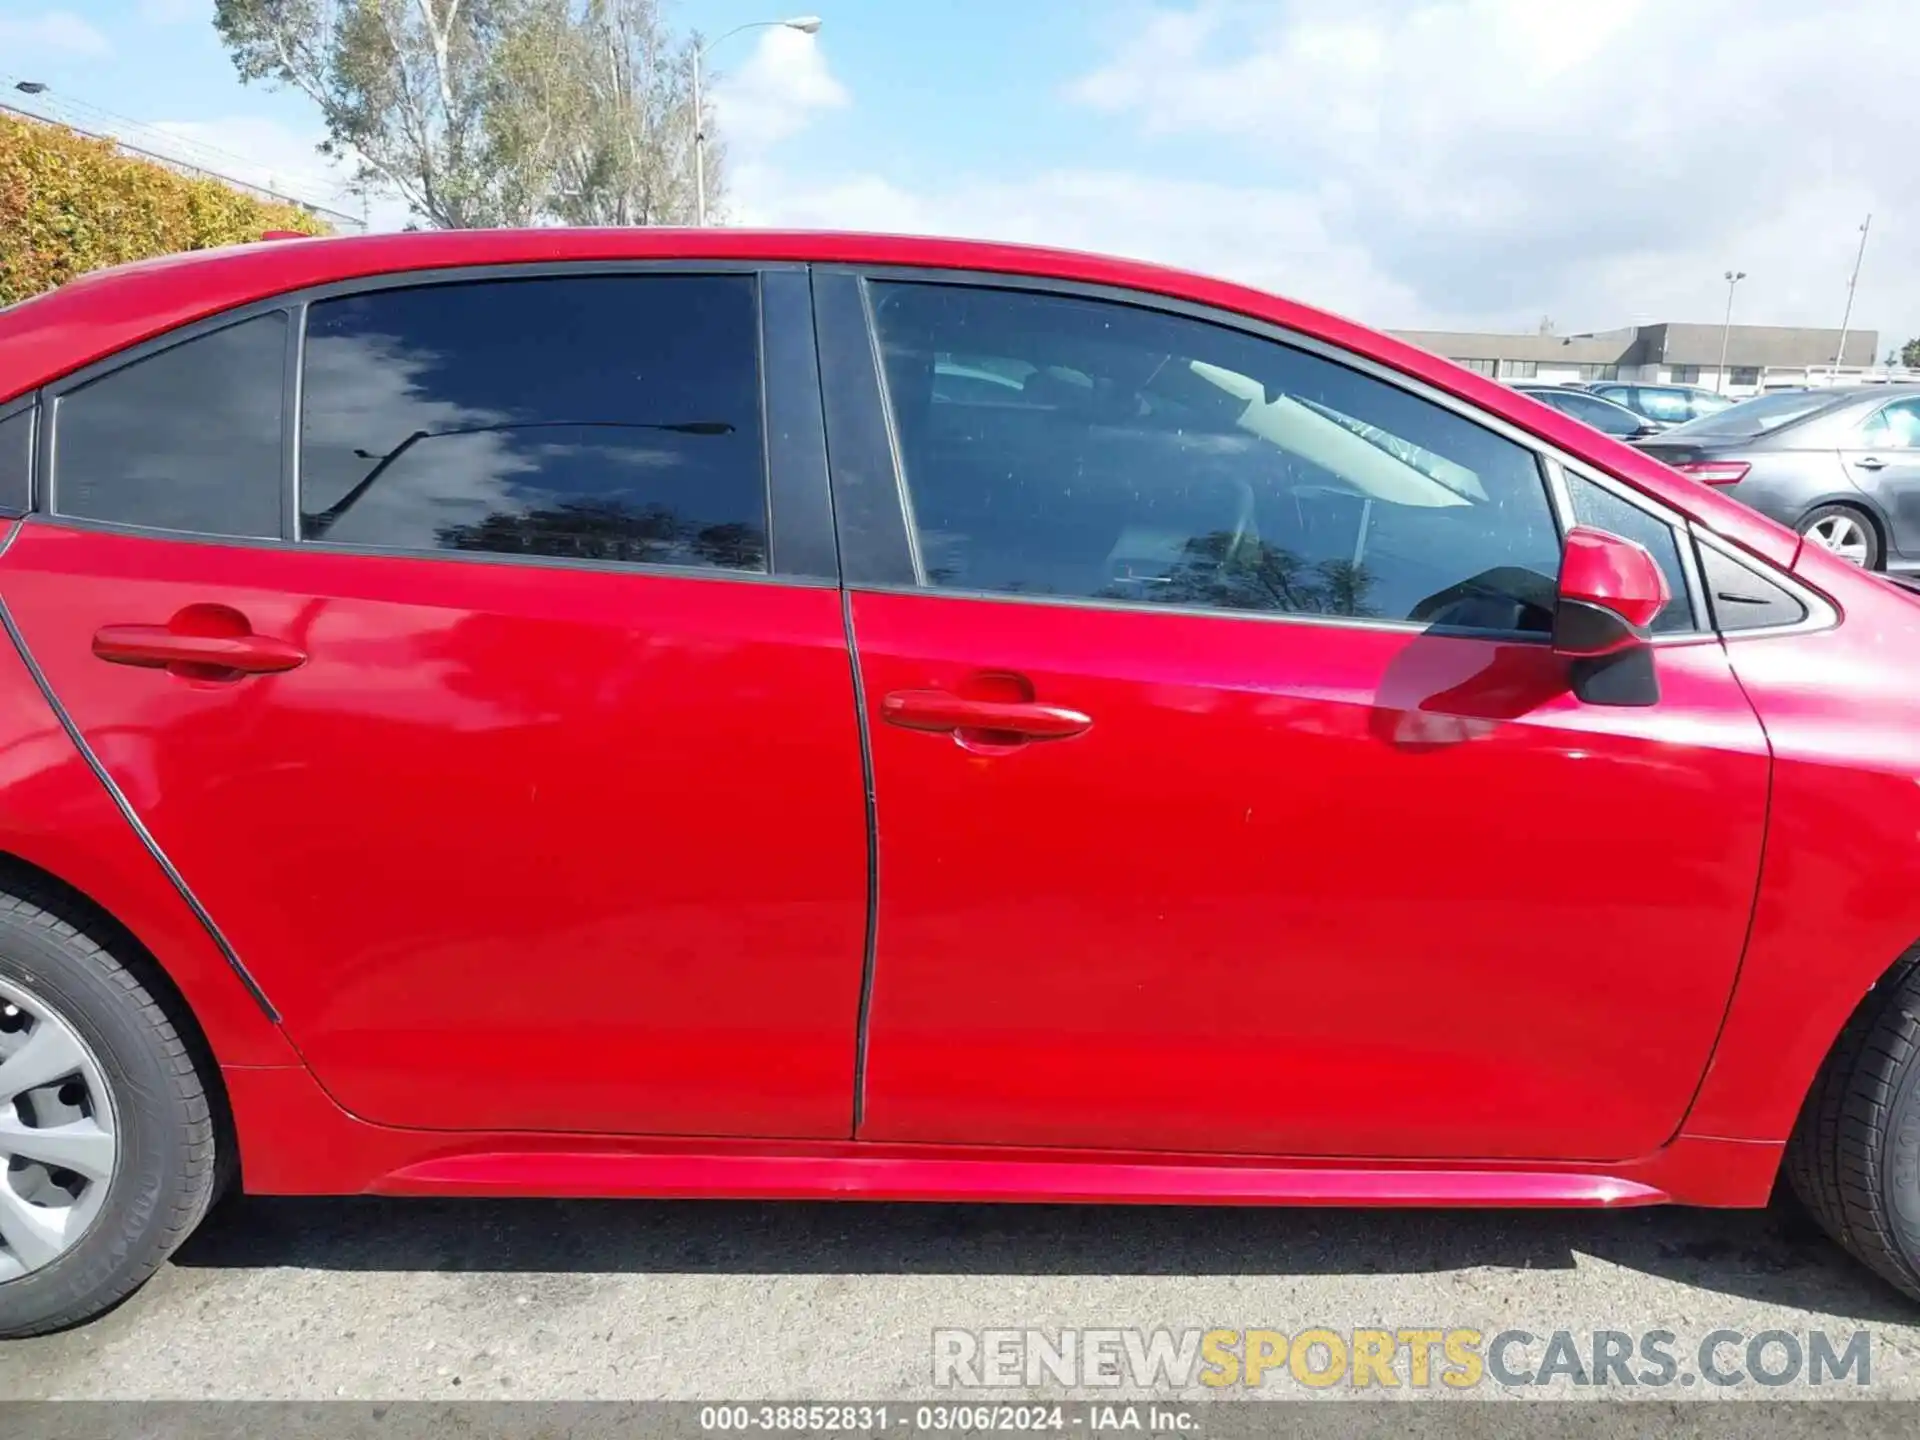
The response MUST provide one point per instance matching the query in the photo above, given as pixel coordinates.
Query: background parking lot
(316, 1299)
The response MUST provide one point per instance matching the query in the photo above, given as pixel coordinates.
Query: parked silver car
(1664, 406)
(1840, 465)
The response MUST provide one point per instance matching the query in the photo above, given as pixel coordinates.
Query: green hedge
(69, 204)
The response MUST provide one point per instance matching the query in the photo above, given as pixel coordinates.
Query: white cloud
(782, 86)
(54, 32)
(1267, 237)
(1501, 159)
(1467, 162)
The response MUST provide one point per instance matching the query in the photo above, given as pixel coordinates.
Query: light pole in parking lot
(805, 24)
(1734, 277)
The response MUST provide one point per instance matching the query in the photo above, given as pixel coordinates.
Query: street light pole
(699, 147)
(1846, 320)
(1734, 277)
(805, 24)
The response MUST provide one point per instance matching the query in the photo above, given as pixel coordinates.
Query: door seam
(132, 817)
(862, 1024)
(1753, 908)
(863, 1013)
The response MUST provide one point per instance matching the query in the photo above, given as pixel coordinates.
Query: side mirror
(1609, 592)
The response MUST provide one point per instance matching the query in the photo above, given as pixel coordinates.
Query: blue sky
(1410, 162)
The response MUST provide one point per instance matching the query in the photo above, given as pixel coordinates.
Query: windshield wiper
(317, 524)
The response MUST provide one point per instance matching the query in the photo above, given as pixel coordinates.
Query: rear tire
(1846, 531)
(1854, 1159)
(71, 1253)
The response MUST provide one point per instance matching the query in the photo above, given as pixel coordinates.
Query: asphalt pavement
(425, 1299)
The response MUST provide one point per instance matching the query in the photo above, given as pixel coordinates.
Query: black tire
(1876, 551)
(1854, 1159)
(167, 1165)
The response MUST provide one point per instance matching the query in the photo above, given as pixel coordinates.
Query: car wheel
(1846, 532)
(107, 1146)
(1854, 1159)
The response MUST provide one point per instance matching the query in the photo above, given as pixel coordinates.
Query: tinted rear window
(1758, 415)
(612, 418)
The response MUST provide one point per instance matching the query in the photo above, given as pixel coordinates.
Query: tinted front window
(186, 439)
(1604, 510)
(599, 418)
(1123, 454)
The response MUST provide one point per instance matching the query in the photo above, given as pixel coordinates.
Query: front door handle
(1871, 462)
(939, 711)
(160, 647)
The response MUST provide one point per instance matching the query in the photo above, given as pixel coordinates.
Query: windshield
(1756, 416)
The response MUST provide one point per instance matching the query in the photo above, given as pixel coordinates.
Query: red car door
(520, 770)
(1229, 796)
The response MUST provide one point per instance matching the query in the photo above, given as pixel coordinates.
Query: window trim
(1547, 457)
(784, 469)
(890, 417)
(292, 396)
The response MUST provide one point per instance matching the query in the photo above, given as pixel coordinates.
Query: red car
(727, 714)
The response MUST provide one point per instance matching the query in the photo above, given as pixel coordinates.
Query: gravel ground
(379, 1299)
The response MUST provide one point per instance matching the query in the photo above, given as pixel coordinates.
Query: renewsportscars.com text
(1415, 1357)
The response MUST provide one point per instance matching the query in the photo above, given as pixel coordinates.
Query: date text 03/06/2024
(972, 1418)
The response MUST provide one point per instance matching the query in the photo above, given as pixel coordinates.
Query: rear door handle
(1871, 462)
(159, 647)
(939, 711)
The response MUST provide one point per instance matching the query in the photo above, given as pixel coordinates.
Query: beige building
(1758, 356)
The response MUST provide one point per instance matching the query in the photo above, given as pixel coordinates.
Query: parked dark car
(1606, 416)
(1664, 405)
(1841, 466)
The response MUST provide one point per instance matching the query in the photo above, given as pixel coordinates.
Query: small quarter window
(1744, 599)
(187, 438)
(16, 462)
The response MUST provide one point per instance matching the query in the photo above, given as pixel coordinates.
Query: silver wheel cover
(58, 1142)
